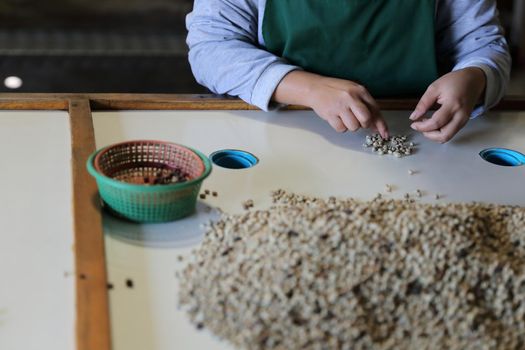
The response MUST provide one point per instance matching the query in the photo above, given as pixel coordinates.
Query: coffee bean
(348, 274)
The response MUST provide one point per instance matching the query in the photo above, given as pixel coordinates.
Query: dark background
(120, 45)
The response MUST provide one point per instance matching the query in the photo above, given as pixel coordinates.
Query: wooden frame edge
(37, 101)
(92, 305)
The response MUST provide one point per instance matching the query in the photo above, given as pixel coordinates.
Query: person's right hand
(345, 105)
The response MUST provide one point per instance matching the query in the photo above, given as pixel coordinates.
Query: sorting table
(296, 151)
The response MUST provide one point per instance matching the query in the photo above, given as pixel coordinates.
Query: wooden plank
(214, 102)
(34, 104)
(37, 101)
(93, 326)
(184, 102)
(202, 102)
(167, 102)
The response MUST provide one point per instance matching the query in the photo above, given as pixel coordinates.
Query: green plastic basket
(116, 169)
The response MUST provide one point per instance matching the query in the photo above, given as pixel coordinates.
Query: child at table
(336, 56)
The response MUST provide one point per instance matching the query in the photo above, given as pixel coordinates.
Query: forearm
(479, 83)
(238, 69)
(296, 88)
(224, 54)
(496, 70)
(470, 35)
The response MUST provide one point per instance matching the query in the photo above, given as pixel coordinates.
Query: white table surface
(297, 152)
(37, 288)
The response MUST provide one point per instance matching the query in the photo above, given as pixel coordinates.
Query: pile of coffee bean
(311, 273)
(167, 176)
(152, 176)
(398, 145)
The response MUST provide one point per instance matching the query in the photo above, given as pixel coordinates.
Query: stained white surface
(37, 306)
(297, 152)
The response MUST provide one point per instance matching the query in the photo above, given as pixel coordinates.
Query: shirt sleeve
(469, 34)
(225, 56)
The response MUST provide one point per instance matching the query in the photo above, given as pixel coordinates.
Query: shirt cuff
(491, 90)
(267, 83)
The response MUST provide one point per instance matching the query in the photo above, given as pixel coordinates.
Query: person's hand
(344, 104)
(458, 93)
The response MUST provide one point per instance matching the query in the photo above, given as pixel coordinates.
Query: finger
(350, 121)
(337, 124)
(361, 112)
(446, 133)
(439, 119)
(378, 123)
(425, 103)
(381, 127)
(372, 104)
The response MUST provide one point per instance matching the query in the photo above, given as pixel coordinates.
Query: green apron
(386, 45)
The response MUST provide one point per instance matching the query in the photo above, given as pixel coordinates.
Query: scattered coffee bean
(247, 204)
(202, 196)
(214, 194)
(129, 283)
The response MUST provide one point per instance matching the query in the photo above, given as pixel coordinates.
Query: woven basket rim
(99, 176)
(96, 161)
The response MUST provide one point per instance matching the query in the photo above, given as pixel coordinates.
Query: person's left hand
(458, 93)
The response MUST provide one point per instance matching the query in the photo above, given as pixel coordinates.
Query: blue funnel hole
(233, 159)
(503, 157)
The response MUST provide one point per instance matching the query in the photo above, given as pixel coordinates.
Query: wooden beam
(92, 311)
(184, 102)
(214, 102)
(34, 104)
(167, 102)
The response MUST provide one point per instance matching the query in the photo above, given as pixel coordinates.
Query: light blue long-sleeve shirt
(227, 51)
